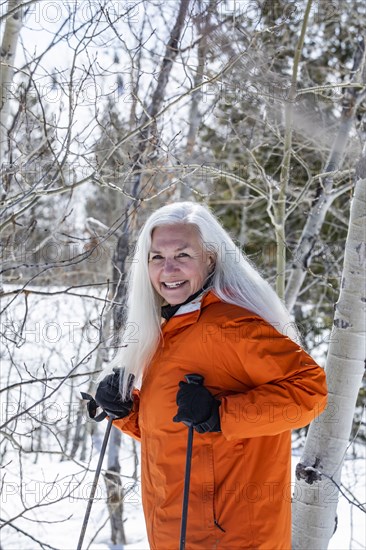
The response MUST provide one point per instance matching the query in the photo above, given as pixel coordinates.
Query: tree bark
(195, 117)
(304, 250)
(9, 44)
(316, 495)
(279, 203)
(113, 483)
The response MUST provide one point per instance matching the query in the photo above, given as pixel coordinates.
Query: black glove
(197, 406)
(108, 397)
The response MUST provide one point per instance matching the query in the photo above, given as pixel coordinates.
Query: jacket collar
(190, 313)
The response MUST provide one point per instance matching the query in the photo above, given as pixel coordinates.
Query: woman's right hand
(108, 396)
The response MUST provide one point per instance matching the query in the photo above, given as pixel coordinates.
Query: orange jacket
(240, 491)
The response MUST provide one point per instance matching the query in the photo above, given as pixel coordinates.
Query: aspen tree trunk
(316, 496)
(114, 487)
(13, 26)
(304, 250)
(195, 117)
(279, 204)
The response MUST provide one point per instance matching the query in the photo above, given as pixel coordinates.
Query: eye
(155, 258)
(183, 255)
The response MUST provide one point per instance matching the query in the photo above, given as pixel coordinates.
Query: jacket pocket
(209, 491)
(231, 498)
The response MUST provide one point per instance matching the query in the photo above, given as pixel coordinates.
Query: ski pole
(198, 380)
(95, 482)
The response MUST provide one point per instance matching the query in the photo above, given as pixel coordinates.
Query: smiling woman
(200, 307)
(179, 265)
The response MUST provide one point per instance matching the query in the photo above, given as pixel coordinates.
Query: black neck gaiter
(168, 311)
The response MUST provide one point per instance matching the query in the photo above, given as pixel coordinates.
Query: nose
(170, 265)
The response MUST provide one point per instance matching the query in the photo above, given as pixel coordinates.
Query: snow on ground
(58, 332)
(58, 523)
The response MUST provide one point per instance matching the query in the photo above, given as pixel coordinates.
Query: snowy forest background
(110, 109)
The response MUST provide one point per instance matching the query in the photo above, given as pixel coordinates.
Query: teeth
(174, 285)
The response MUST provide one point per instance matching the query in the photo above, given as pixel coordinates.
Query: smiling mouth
(176, 284)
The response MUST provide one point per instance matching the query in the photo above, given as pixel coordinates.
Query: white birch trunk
(316, 496)
(9, 43)
(195, 116)
(304, 250)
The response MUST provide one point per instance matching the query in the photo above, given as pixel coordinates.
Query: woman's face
(178, 263)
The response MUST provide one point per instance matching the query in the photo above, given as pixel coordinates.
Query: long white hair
(234, 281)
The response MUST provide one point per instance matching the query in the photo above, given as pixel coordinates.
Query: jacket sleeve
(130, 424)
(283, 387)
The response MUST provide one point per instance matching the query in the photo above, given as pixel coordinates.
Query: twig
(42, 544)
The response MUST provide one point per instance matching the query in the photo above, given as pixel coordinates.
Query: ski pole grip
(194, 379)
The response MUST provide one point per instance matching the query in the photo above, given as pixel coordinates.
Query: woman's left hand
(197, 407)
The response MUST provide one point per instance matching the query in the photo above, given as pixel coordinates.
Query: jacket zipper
(218, 525)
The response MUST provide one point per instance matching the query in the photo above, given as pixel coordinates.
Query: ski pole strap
(92, 407)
